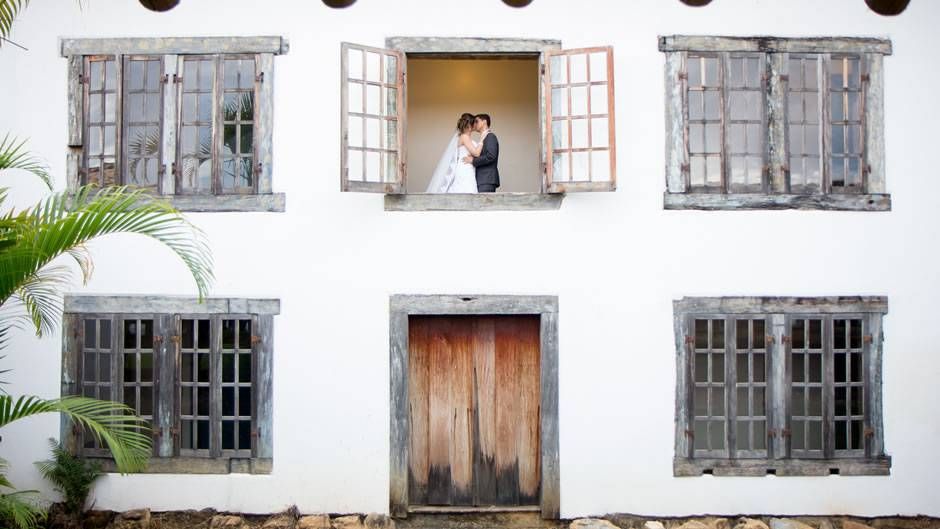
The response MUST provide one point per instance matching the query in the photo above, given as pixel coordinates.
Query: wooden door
(474, 410)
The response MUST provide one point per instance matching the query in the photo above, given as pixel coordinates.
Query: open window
(552, 110)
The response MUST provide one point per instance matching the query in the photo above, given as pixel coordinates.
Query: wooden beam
(772, 305)
(759, 201)
(131, 304)
(172, 45)
(474, 202)
(774, 44)
(447, 45)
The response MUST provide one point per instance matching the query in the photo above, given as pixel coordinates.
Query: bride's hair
(465, 122)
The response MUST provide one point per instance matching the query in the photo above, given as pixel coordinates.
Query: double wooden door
(473, 388)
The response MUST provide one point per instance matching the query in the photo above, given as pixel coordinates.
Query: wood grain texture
(874, 124)
(399, 368)
(484, 407)
(172, 45)
(264, 387)
(527, 329)
(508, 416)
(760, 201)
(75, 100)
(789, 305)
(774, 44)
(264, 87)
(550, 469)
(878, 466)
(167, 181)
(440, 414)
(418, 364)
(676, 152)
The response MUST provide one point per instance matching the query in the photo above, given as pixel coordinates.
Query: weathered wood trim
(197, 465)
(878, 466)
(683, 445)
(264, 132)
(446, 45)
(172, 45)
(469, 509)
(403, 306)
(775, 103)
(874, 124)
(273, 203)
(474, 202)
(264, 389)
(473, 304)
(758, 201)
(73, 162)
(676, 152)
(75, 100)
(776, 305)
(874, 397)
(164, 410)
(167, 180)
(778, 385)
(71, 342)
(550, 501)
(130, 304)
(671, 43)
(399, 413)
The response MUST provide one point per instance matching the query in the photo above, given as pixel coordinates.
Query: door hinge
(869, 432)
(542, 69)
(770, 340)
(175, 169)
(683, 76)
(165, 79)
(175, 339)
(867, 338)
(690, 434)
(785, 339)
(866, 78)
(259, 78)
(258, 167)
(785, 77)
(177, 78)
(254, 433)
(689, 340)
(784, 432)
(82, 79)
(685, 168)
(157, 340)
(771, 433)
(255, 339)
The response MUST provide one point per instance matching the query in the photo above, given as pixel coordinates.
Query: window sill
(272, 202)
(756, 201)
(474, 202)
(197, 465)
(877, 466)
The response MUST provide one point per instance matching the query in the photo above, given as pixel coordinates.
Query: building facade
(705, 284)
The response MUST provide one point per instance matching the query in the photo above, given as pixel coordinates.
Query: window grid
(751, 390)
(848, 386)
(196, 149)
(745, 122)
(808, 402)
(238, 118)
(804, 133)
(372, 84)
(137, 366)
(708, 373)
(580, 119)
(195, 382)
(95, 369)
(101, 118)
(704, 131)
(143, 123)
(237, 395)
(845, 111)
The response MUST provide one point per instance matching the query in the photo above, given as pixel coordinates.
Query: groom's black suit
(486, 165)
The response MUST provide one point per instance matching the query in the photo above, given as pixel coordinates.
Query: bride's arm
(474, 150)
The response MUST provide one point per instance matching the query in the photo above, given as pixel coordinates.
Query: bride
(452, 174)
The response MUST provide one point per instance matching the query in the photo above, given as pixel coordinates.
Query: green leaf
(9, 9)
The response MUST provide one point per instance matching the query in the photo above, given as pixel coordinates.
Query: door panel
(474, 410)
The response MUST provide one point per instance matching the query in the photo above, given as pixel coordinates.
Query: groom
(485, 164)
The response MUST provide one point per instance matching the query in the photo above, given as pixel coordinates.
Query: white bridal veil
(446, 170)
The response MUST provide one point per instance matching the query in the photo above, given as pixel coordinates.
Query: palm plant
(9, 9)
(71, 475)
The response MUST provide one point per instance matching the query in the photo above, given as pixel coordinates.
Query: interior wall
(439, 90)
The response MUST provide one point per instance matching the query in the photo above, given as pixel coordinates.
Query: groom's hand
(468, 159)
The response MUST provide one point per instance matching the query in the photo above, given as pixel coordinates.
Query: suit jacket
(486, 163)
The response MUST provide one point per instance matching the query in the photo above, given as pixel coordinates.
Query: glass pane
(579, 102)
(711, 72)
(815, 436)
(701, 401)
(90, 334)
(559, 101)
(797, 435)
(856, 401)
(559, 69)
(798, 403)
(701, 435)
(701, 334)
(130, 367)
(228, 334)
(373, 133)
(228, 435)
(373, 100)
(187, 401)
(741, 367)
(228, 401)
(760, 435)
(244, 435)
(578, 68)
(814, 406)
(104, 367)
(354, 165)
(146, 367)
(712, 138)
(187, 360)
(600, 166)
(202, 435)
(560, 134)
(599, 99)
(815, 334)
(579, 172)
(95, 75)
(560, 167)
(717, 435)
(373, 72)
(146, 401)
(130, 397)
(712, 105)
(799, 369)
(696, 138)
(599, 132)
(598, 66)
(203, 367)
(244, 367)
(202, 402)
(104, 334)
(354, 132)
(743, 401)
(354, 97)
(696, 106)
(89, 367)
(354, 64)
(841, 401)
(579, 133)
(373, 167)
(815, 368)
(718, 367)
(244, 401)
(758, 401)
(743, 435)
(759, 368)
(694, 70)
(718, 334)
(701, 367)
(228, 367)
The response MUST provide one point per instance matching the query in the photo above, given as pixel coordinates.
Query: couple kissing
(467, 166)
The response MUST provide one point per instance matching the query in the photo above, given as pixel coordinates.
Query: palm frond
(71, 475)
(13, 153)
(9, 9)
(41, 298)
(21, 509)
(64, 224)
(112, 423)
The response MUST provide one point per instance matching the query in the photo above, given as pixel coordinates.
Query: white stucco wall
(616, 260)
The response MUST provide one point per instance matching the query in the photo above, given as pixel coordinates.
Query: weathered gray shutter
(372, 100)
(262, 350)
(264, 128)
(579, 133)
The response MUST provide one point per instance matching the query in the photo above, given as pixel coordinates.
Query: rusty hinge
(255, 339)
(765, 170)
(82, 79)
(542, 69)
(259, 78)
(175, 339)
(156, 432)
(683, 76)
(544, 168)
(157, 340)
(254, 433)
(867, 338)
(784, 432)
(771, 433)
(401, 167)
(175, 432)
(785, 339)
(258, 167)
(785, 169)
(785, 77)
(866, 78)
(770, 340)
(689, 340)
(690, 434)
(866, 169)
(175, 169)
(165, 79)
(161, 170)
(869, 432)
(685, 168)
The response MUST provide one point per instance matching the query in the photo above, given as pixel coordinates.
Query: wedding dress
(453, 175)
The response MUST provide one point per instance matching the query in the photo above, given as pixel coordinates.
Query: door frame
(401, 307)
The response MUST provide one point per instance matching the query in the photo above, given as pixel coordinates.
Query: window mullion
(120, 177)
(776, 150)
(218, 95)
(215, 387)
(828, 389)
(724, 112)
(825, 164)
(169, 125)
(731, 394)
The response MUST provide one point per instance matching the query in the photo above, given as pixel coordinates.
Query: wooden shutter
(372, 94)
(579, 133)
